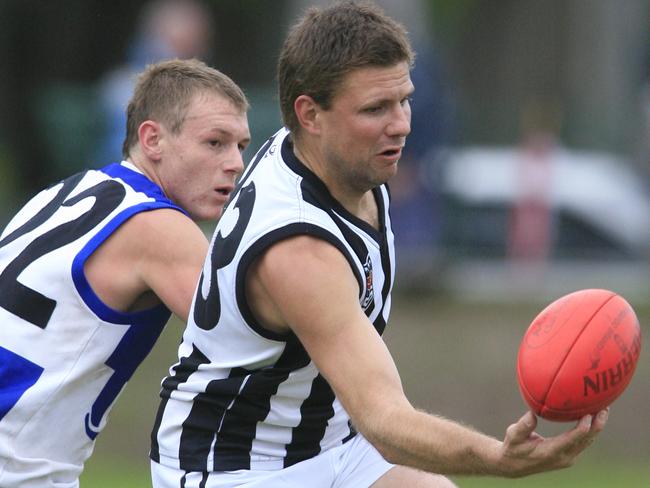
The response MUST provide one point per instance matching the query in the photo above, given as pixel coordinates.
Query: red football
(578, 355)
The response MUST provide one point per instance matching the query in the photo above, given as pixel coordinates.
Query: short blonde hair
(164, 91)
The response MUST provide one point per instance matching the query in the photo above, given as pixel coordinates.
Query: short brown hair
(327, 44)
(164, 91)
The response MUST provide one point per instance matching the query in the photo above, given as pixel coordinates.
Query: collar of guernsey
(136, 179)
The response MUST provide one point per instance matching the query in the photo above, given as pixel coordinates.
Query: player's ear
(149, 135)
(307, 112)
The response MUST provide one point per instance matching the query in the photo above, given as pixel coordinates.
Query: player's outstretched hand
(525, 452)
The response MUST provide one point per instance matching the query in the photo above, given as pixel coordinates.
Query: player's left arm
(312, 289)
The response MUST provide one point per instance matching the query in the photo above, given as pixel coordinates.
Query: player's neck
(144, 167)
(360, 203)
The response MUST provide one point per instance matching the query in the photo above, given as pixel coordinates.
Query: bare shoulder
(159, 252)
(289, 279)
(162, 221)
(154, 240)
(303, 274)
(304, 250)
(303, 264)
(163, 231)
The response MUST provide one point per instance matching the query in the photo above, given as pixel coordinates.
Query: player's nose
(400, 125)
(234, 163)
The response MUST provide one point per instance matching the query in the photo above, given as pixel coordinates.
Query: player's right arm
(306, 285)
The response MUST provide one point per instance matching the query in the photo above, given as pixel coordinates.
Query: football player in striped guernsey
(283, 379)
(91, 267)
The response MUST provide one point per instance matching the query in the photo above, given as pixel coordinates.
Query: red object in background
(530, 227)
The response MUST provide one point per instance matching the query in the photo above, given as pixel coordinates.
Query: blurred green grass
(456, 359)
(582, 475)
(115, 474)
(588, 475)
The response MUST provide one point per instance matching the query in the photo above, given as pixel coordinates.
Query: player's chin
(207, 213)
(386, 173)
(216, 213)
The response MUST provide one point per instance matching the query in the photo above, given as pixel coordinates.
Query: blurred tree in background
(54, 54)
(585, 58)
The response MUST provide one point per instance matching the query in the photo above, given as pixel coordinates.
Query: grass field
(584, 475)
(456, 359)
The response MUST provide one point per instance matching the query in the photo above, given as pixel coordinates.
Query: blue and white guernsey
(241, 396)
(64, 355)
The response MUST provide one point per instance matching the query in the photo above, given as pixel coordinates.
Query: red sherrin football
(578, 355)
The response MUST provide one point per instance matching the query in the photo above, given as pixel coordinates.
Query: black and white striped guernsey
(240, 396)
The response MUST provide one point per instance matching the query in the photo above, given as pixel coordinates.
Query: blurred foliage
(447, 18)
(69, 120)
(8, 178)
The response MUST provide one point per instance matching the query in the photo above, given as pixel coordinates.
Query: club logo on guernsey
(369, 294)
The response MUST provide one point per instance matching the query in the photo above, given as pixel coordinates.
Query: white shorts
(355, 464)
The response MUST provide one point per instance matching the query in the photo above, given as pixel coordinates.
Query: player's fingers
(590, 430)
(584, 426)
(590, 426)
(568, 440)
(585, 432)
(583, 437)
(598, 424)
(522, 429)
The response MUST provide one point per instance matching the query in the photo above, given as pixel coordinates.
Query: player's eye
(373, 109)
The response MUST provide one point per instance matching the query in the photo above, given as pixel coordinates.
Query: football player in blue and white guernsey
(283, 379)
(91, 267)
